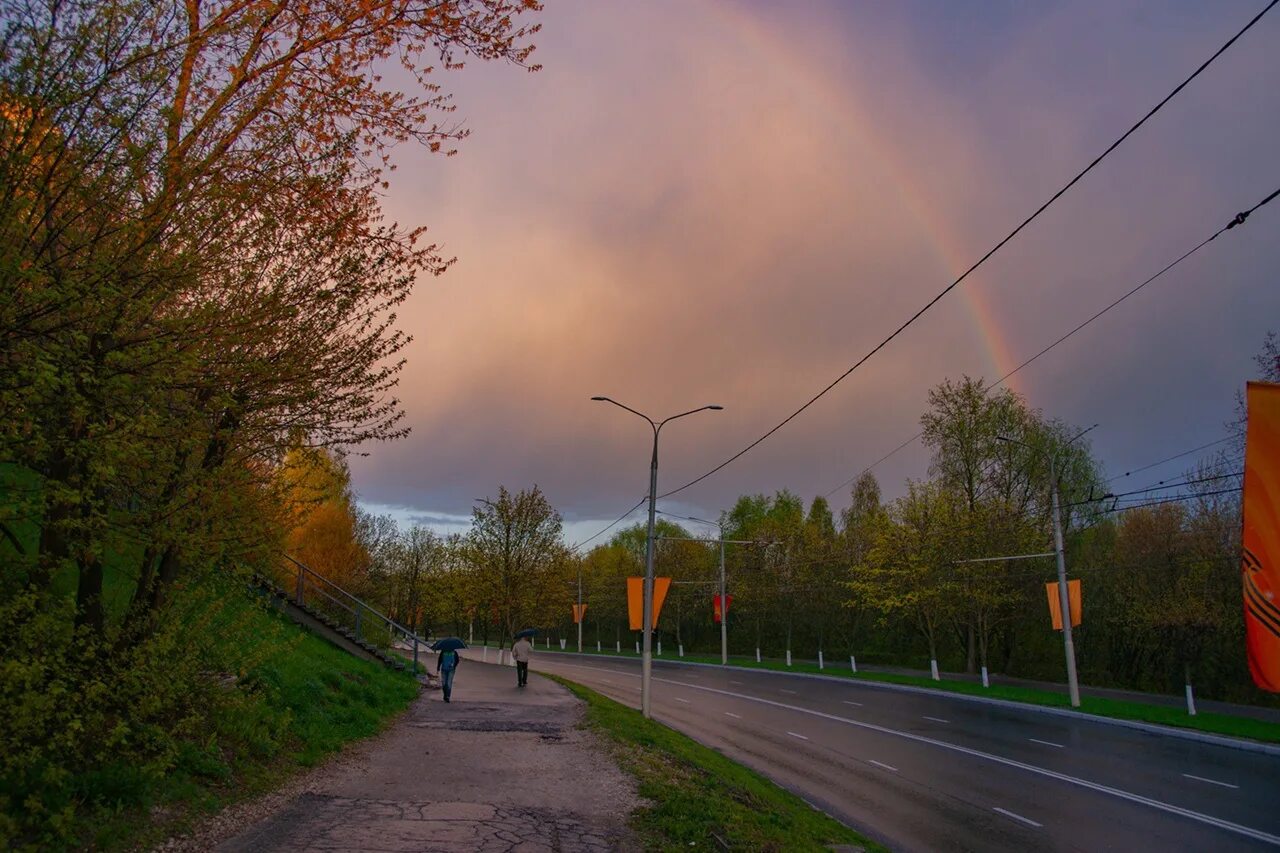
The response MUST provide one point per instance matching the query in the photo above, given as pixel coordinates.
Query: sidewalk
(496, 769)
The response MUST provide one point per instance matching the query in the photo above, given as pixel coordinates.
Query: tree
(324, 534)
(192, 259)
(1004, 486)
(908, 568)
(521, 563)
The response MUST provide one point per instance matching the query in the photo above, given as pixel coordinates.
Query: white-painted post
(597, 645)
(486, 654)
(757, 654)
(819, 658)
(788, 657)
(681, 648)
(562, 644)
(548, 642)
(933, 669)
(659, 648)
(986, 682)
(1191, 701)
(619, 646)
(853, 664)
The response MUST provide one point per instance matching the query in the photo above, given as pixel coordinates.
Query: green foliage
(93, 734)
(696, 795)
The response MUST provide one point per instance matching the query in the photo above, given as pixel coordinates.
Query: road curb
(1150, 728)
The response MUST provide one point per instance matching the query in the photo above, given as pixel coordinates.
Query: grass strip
(1120, 709)
(699, 798)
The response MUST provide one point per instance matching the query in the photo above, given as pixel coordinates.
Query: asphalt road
(932, 772)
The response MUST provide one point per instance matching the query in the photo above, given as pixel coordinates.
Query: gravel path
(497, 769)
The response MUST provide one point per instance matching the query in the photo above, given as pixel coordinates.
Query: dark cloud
(735, 207)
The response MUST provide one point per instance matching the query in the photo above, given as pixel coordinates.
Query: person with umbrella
(447, 661)
(522, 651)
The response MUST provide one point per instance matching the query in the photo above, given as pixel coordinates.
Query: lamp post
(646, 658)
(1064, 598)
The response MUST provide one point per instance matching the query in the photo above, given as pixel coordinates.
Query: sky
(732, 202)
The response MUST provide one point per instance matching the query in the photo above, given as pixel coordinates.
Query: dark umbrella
(527, 632)
(448, 644)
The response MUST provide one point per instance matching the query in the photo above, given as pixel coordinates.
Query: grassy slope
(321, 696)
(700, 798)
(1223, 724)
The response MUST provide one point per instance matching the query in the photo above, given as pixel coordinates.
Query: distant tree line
(885, 580)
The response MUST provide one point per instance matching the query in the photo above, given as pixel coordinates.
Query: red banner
(635, 600)
(716, 609)
(1260, 570)
(579, 611)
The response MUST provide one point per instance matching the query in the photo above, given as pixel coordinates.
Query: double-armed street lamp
(646, 657)
(1064, 598)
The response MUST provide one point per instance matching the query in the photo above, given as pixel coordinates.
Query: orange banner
(1055, 604)
(1260, 570)
(579, 611)
(635, 600)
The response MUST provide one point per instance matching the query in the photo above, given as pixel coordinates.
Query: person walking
(447, 665)
(522, 651)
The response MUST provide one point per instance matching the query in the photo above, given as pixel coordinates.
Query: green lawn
(698, 798)
(1212, 723)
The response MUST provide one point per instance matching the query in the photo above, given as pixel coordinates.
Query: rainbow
(953, 257)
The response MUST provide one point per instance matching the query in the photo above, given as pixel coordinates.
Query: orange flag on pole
(1055, 603)
(579, 611)
(635, 600)
(1260, 570)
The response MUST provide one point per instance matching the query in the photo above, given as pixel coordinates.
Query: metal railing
(367, 624)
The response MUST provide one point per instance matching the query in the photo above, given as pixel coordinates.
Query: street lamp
(646, 657)
(1064, 598)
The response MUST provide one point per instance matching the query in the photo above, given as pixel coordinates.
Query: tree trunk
(89, 610)
(970, 665)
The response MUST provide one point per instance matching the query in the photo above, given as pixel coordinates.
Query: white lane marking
(1028, 821)
(731, 714)
(736, 682)
(854, 704)
(793, 734)
(792, 692)
(1046, 743)
(937, 719)
(1211, 781)
(1220, 823)
(885, 766)
(685, 701)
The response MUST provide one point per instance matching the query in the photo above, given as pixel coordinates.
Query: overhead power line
(1235, 220)
(1171, 458)
(937, 298)
(610, 525)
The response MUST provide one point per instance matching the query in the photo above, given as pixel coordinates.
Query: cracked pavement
(497, 769)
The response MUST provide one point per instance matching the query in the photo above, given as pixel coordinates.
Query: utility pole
(724, 604)
(724, 610)
(1064, 597)
(646, 658)
(579, 606)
